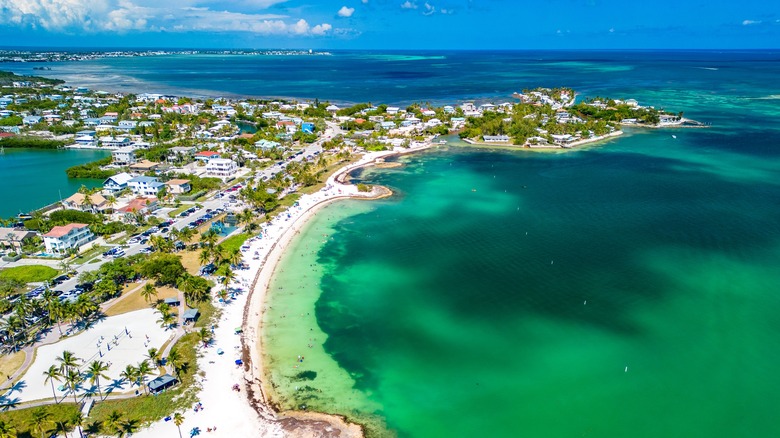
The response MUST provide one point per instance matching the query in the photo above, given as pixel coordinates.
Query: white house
(124, 156)
(145, 185)
(178, 186)
(221, 168)
(117, 182)
(111, 142)
(63, 238)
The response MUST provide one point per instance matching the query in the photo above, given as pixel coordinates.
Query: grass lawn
(234, 242)
(28, 274)
(191, 261)
(132, 299)
(175, 213)
(21, 419)
(91, 254)
(10, 363)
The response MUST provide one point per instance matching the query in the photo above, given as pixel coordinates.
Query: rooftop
(63, 230)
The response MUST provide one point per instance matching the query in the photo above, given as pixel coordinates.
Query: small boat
(674, 136)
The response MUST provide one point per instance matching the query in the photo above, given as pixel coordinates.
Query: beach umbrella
(239, 362)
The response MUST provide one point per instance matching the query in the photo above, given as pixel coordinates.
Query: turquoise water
(33, 178)
(627, 289)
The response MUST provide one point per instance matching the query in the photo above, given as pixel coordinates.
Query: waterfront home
(13, 239)
(178, 186)
(144, 166)
(221, 168)
(123, 156)
(206, 156)
(266, 144)
(62, 239)
(392, 110)
(114, 142)
(127, 125)
(495, 138)
(665, 119)
(287, 125)
(91, 203)
(117, 182)
(449, 109)
(468, 106)
(562, 138)
(5, 101)
(145, 185)
(333, 109)
(458, 122)
(140, 205)
(31, 120)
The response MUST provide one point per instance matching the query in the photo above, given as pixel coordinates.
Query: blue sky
(391, 24)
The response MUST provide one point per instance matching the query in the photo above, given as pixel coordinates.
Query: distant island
(58, 56)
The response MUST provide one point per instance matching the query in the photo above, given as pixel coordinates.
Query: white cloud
(152, 16)
(429, 9)
(408, 5)
(611, 30)
(749, 22)
(346, 12)
(365, 2)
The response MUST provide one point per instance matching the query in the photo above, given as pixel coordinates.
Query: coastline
(259, 393)
(546, 147)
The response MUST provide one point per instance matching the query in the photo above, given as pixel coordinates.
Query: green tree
(178, 419)
(97, 370)
(9, 431)
(40, 421)
(53, 374)
(148, 292)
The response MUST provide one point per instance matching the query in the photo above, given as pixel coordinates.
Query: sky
(391, 24)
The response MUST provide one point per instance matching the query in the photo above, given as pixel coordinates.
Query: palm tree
(73, 378)
(174, 360)
(148, 292)
(205, 256)
(233, 257)
(8, 431)
(97, 370)
(178, 419)
(186, 234)
(153, 355)
(52, 374)
(228, 277)
(167, 320)
(113, 421)
(210, 238)
(67, 361)
(77, 420)
(204, 335)
(130, 374)
(41, 419)
(144, 369)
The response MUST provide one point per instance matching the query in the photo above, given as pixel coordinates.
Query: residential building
(124, 156)
(221, 168)
(178, 186)
(114, 142)
(139, 205)
(13, 239)
(144, 166)
(62, 239)
(145, 185)
(92, 203)
(206, 156)
(496, 138)
(117, 182)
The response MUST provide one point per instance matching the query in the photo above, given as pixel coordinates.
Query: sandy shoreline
(249, 412)
(298, 423)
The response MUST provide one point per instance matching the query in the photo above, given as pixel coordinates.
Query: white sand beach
(125, 335)
(246, 413)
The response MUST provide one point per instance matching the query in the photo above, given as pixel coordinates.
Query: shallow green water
(626, 290)
(33, 178)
